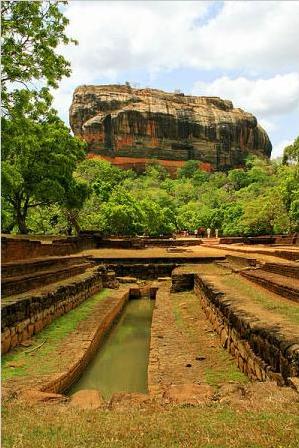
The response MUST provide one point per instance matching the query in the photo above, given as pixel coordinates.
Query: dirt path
(184, 348)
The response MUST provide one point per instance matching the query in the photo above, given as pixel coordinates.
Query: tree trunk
(72, 217)
(21, 215)
(21, 223)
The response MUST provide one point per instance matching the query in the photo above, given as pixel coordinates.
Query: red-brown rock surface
(130, 126)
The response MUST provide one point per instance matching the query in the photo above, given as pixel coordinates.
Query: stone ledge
(279, 284)
(25, 315)
(261, 352)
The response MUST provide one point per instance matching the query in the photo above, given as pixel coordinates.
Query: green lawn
(45, 359)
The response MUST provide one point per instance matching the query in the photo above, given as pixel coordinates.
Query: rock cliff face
(131, 127)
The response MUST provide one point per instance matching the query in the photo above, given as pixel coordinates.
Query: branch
(39, 203)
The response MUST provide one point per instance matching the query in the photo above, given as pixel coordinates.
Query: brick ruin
(34, 299)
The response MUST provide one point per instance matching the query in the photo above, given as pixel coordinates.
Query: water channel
(121, 363)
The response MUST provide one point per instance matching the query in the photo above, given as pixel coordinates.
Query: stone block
(5, 344)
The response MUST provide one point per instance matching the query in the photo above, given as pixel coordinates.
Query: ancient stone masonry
(130, 127)
(28, 314)
(262, 352)
(13, 248)
(87, 343)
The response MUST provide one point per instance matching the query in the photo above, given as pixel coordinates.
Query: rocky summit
(131, 127)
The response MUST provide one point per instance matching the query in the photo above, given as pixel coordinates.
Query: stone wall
(261, 352)
(140, 243)
(182, 281)
(21, 248)
(292, 239)
(144, 271)
(29, 314)
(287, 270)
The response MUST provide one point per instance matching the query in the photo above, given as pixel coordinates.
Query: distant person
(216, 233)
(209, 232)
(195, 233)
(201, 231)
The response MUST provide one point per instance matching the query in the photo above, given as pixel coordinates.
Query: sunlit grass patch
(44, 359)
(285, 307)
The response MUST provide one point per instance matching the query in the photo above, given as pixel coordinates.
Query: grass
(217, 425)
(45, 359)
(284, 307)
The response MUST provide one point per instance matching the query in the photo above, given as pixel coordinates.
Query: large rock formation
(130, 127)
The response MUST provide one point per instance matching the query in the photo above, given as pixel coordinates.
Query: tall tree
(39, 153)
(38, 159)
(31, 32)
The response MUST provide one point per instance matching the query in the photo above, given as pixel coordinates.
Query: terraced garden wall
(27, 314)
(261, 352)
(25, 248)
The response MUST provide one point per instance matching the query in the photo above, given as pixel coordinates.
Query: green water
(121, 363)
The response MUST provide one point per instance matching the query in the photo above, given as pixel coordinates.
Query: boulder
(129, 127)
(120, 400)
(87, 399)
(35, 396)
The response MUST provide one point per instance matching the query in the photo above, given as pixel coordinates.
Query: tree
(188, 169)
(157, 220)
(291, 153)
(31, 32)
(122, 215)
(38, 161)
(39, 154)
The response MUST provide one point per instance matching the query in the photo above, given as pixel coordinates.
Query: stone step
(18, 268)
(22, 283)
(280, 284)
(127, 279)
(286, 269)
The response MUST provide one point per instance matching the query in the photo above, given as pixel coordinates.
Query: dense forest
(263, 198)
(49, 187)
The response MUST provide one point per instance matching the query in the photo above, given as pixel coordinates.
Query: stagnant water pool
(121, 363)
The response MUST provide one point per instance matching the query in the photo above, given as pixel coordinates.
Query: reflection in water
(122, 361)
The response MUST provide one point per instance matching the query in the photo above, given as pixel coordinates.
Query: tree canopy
(39, 154)
(31, 32)
(262, 198)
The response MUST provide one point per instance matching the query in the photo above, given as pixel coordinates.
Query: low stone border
(276, 283)
(288, 270)
(91, 334)
(261, 353)
(28, 314)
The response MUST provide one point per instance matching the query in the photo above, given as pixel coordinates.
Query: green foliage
(38, 160)
(39, 154)
(188, 170)
(291, 153)
(262, 198)
(31, 31)
(122, 214)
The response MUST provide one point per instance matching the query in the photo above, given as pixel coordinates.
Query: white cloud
(117, 36)
(264, 97)
(244, 39)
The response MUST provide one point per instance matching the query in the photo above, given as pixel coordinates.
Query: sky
(244, 51)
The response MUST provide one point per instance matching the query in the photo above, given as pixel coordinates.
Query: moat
(121, 363)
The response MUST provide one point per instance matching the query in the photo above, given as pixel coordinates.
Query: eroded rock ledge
(130, 127)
